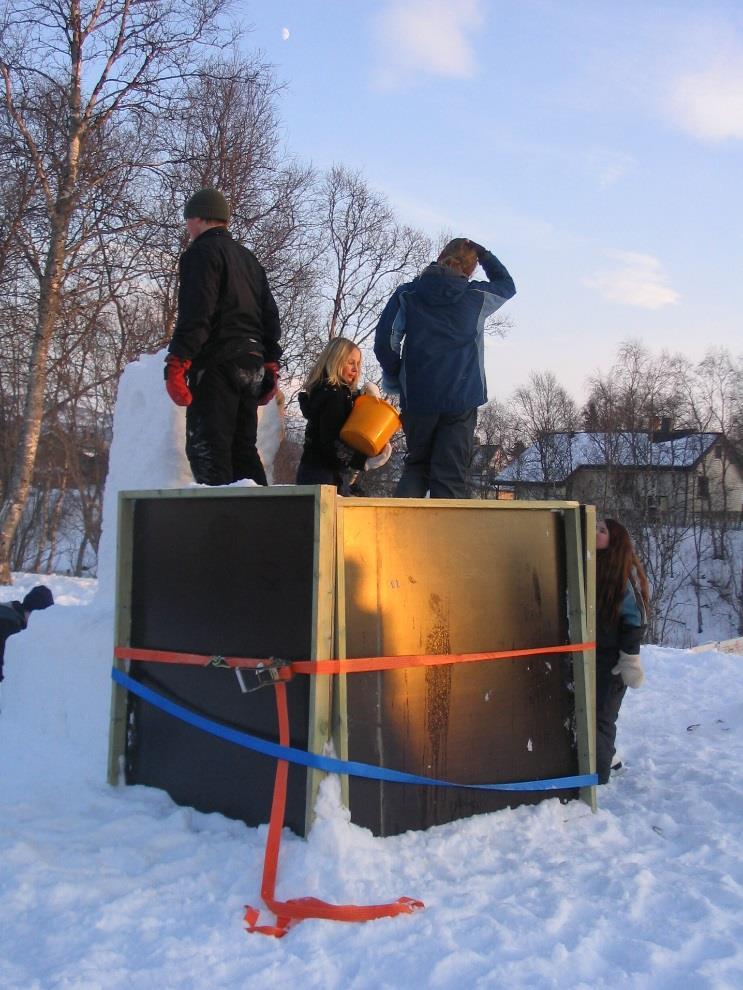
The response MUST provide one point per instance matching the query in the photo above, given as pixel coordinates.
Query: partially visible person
(622, 600)
(326, 403)
(223, 356)
(14, 615)
(430, 342)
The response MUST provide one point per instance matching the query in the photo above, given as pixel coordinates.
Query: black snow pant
(610, 691)
(222, 429)
(439, 453)
(308, 475)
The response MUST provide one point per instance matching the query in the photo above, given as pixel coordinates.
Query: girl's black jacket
(326, 408)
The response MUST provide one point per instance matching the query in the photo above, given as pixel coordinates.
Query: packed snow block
(424, 577)
(226, 572)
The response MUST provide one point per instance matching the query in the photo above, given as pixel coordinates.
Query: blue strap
(329, 763)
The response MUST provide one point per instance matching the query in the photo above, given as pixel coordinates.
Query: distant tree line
(694, 560)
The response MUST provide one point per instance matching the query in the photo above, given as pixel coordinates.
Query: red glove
(175, 379)
(270, 383)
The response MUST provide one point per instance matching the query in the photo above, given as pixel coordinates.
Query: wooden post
(323, 644)
(117, 725)
(340, 693)
(580, 547)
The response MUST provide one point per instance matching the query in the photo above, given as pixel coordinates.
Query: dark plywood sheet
(200, 770)
(220, 576)
(428, 580)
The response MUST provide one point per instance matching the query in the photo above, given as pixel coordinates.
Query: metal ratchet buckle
(217, 661)
(266, 675)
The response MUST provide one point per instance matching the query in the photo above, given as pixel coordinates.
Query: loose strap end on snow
(290, 913)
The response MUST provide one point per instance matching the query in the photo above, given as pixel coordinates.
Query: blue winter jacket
(625, 633)
(430, 339)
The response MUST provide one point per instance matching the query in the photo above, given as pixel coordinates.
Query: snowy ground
(109, 888)
(114, 888)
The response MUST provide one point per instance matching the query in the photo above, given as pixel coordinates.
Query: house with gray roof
(677, 474)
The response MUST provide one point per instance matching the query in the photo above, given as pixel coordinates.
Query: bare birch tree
(367, 254)
(226, 134)
(545, 413)
(497, 436)
(70, 70)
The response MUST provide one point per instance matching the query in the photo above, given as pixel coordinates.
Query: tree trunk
(25, 455)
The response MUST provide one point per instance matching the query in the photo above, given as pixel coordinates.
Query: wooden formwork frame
(328, 696)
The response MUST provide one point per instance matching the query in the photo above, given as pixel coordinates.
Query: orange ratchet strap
(291, 912)
(354, 665)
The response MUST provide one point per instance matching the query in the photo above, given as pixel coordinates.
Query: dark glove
(270, 383)
(175, 379)
(246, 373)
(478, 249)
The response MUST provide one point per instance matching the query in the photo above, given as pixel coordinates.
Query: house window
(718, 452)
(626, 483)
(702, 487)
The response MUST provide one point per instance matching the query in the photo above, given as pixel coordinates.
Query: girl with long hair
(326, 403)
(622, 601)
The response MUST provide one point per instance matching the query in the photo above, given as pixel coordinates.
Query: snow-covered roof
(558, 455)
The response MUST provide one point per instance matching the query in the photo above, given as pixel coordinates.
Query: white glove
(379, 459)
(629, 669)
(370, 388)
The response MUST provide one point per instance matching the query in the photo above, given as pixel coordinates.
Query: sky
(118, 888)
(595, 147)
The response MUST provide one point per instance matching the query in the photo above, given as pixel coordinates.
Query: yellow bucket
(370, 425)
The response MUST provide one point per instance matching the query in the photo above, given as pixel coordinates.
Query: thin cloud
(709, 104)
(635, 280)
(426, 37)
(610, 167)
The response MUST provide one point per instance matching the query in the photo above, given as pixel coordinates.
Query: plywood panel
(216, 575)
(424, 579)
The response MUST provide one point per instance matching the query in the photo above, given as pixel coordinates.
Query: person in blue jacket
(622, 598)
(430, 343)
(14, 615)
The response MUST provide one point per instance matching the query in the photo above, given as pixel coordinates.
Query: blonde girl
(326, 403)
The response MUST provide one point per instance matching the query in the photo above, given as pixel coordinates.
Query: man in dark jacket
(14, 615)
(430, 343)
(223, 358)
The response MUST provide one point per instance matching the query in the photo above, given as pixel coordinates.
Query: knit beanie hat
(208, 204)
(38, 598)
